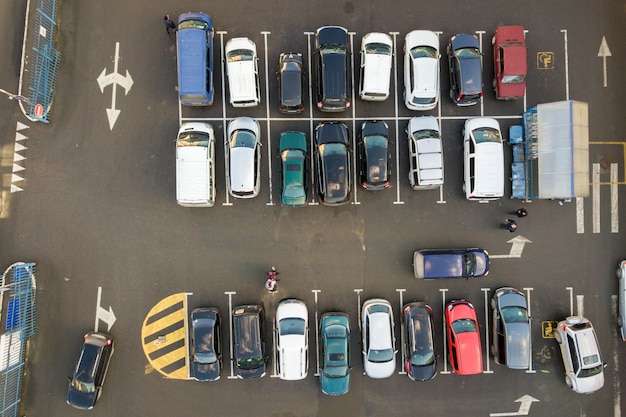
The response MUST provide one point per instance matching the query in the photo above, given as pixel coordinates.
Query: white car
(421, 70)
(584, 370)
(244, 157)
(621, 308)
(379, 353)
(292, 326)
(376, 55)
(483, 156)
(425, 153)
(243, 72)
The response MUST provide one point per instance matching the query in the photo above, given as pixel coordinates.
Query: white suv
(379, 352)
(243, 72)
(292, 325)
(584, 370)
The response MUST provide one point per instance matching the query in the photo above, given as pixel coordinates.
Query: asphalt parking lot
(98, 215)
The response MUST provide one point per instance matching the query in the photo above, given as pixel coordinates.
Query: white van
(243, 72)
(376, 55)
(483, 155)
(195, 165)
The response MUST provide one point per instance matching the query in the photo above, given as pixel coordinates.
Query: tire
(568, 381)
(619, 321)
(557, 336)
(619, 273)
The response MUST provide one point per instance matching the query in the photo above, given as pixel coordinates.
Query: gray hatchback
(510, 345)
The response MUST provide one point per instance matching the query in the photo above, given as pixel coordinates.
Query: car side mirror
(605, 365)
(69, 378)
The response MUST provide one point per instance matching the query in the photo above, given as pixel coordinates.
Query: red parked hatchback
(464, 350)
(510, 62)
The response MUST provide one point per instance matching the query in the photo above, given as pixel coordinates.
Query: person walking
(168, 24)
(510, 225)
(272, 277)
(521, 212)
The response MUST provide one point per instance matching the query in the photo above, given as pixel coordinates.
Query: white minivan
(195, 165)
(483, 155)
(243, 72)
(376, 56)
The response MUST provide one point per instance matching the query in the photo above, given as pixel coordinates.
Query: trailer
(551, 152)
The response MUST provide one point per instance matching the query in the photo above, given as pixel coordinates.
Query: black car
(464, 59)
(291, 83)
(333, 163)
(333, 69)
(249, 341)
(206, 344)
(420, 361)
(86, 384)
(373, 147)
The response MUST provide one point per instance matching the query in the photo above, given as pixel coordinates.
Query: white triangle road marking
(15, 188)
(18, 157)
(19, 147)
(21, 126)
(15, 178)
(18, 168)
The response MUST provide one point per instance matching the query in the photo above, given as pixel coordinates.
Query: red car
(510, 62)
(464, 350)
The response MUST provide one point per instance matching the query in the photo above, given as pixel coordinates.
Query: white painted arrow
(114, 79)
(107, 316)
(516, 249)
(603, 53)
(524, 408)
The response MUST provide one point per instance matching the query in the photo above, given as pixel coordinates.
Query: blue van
(195, 59)
(450, 263)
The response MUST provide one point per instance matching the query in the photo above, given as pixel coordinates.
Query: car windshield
(513, 79)
(336, 371)
(464, 326)
(193, 24)
(591, 359)
(291, 325)
(333, 49)
(242, 139)
(467, 53)
(425, 134)
(249, 363)
(85, 387)
(422, 358)
(240, 55)
(380, 355)
(515, 314)
(193, 139)
(584, 373)
(487, 134)
(378, 48)
(423, 52)
(470, 264)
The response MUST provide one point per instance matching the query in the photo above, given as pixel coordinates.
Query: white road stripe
(595, 181)
(580, 215)
(564, 31)
(580, 305)
(614, 199)
(445, 339)
(487, 346)
(267, 112)
(395, 99)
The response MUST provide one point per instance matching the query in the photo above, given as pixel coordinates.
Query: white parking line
(570, 290)
(310, 119)
(274, 350)
(530, 370)
(580, 215)
(614, 198)
(480, 43)
(580, 305)
(223, 120)
(355, 151)
(402, 330)
(395, 104)
(230, 333)
(595, 187)
(564, 31)
(487, 346)
(317, 334)
(445, 339)
(267, 112)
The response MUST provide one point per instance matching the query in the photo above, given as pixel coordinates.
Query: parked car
(243, 72)
(464, 349)
(483, 159)
(91, 369)
(377, 330)
(464, 62)
(510, 62)
(292, 324)
(621, 308)
(450, 263)
(291, 83)
(335, 353)
(584, 370)
(420, 360)
(376, 59)
(421, 70)
(249, 341)
(194, 58)
(195, 165)
(374, 148)
(293, 156)
(425, 153)
(244, 157)
(511, 328)
(333, 158)
(206, 344)
(333, 69)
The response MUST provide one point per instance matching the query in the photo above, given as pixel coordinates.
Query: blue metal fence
(44, 63)
(17, 300)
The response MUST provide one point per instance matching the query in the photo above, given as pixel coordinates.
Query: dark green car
(335, 354)
(293, 156)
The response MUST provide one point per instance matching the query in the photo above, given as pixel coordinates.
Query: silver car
(621, 306)
(379, 353)
(244, 157)
(584, 370)
(511, 328)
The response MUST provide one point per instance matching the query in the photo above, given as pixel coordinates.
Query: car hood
(252, 373)
(380, 370)
(334, 386)
(81, 400)
(206, 371)
(590, 384)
